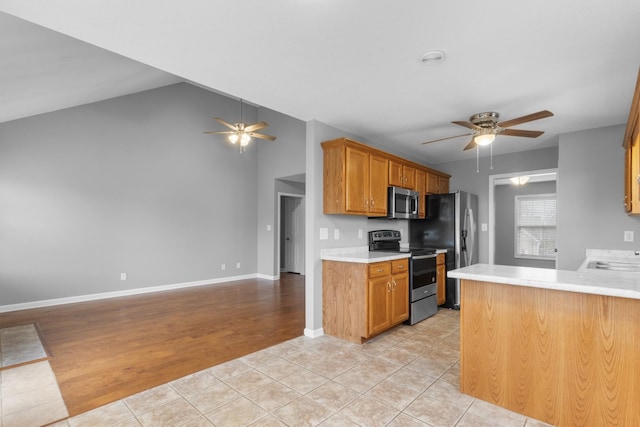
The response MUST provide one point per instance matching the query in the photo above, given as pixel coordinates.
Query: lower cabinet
(441, 280)
(362, 300)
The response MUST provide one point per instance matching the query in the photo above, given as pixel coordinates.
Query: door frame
(278, 231)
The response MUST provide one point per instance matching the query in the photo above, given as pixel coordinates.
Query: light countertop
(359, 254)
(591, 281)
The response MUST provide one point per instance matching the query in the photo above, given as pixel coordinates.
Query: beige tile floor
(29, 396)
(408, 376)
(20, 344)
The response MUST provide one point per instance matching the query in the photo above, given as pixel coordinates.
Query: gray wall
(590, 194)
(133, 185)
(279, 159)
(504, 199)
(464, 177)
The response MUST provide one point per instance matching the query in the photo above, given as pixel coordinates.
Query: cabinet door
(379, 290)
(399, 298)
(357, 181)
(421, 188)
(378, 179)
(409, 177)
(443, 185)
(395, 173)
(432, 183)
(441, 280)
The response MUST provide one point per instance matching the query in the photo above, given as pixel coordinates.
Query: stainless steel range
(422, 273)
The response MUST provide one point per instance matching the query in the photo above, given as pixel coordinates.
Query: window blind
(535, 226)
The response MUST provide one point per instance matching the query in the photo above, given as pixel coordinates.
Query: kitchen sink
(615, 266)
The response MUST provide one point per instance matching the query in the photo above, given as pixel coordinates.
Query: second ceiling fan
(485, 127)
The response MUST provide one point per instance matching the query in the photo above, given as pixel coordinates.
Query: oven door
(423, 276)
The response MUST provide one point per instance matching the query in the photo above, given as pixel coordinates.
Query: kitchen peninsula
(558, 346)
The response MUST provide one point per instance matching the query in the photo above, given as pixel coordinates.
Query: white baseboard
(267, 277)
(313, 333)
(128, 292)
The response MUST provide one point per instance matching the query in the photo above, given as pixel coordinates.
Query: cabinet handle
(388, 287)
(373, 202)
(395, 285)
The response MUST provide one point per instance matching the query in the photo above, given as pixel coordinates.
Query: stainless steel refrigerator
(451, 224)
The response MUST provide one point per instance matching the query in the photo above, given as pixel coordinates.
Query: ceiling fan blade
(261, 136)
(470, 145)
(528, 118)
(256, 126)
(449, 137)
(467, 125)
(227, 124)
(520, 132)
(222, 132)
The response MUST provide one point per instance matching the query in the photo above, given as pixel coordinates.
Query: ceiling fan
(485, 127)
(242, 132)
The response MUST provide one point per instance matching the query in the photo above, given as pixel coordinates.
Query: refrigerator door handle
(470, 225)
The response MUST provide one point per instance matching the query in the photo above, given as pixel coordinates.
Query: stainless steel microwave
(402, 203)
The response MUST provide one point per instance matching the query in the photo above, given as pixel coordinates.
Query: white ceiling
(351, 64)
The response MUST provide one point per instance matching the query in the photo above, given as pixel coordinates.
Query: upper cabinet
(631, 145)
(437, 184)
(355, 180)
(402, 175)
(356, 177)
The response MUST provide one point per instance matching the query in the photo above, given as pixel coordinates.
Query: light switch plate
(484, 226)
(324, 233)
(628, 236)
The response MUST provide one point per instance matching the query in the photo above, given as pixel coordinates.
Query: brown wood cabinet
(441, 280)
(402, 175)
(421, 188)
(631, 145)
(356, 178)
(437, 184)
(362, 300)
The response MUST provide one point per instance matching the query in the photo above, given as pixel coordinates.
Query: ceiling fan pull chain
(477, 158)
(491, 155)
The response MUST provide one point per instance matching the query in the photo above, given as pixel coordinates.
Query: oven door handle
(425, 256)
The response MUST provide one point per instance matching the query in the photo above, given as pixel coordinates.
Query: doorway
(291, 240)
(534, 177)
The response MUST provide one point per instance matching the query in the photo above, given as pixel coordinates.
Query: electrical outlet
(360, 233)
(628, 236)
(123, 276)
(238, 265)
(222, 267)
(484, 226)
(336, 234)
(268, 227)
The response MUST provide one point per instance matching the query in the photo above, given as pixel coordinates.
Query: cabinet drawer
(399, 266)
(379, 269)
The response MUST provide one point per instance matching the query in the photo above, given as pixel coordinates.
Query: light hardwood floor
(106, 350)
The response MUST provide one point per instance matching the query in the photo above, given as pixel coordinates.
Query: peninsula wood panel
(561, 357)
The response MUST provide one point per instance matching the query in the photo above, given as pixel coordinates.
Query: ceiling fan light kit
(485, 127)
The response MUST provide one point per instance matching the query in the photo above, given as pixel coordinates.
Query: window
(536, 226)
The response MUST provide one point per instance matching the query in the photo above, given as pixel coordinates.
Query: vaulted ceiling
(353, 64)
